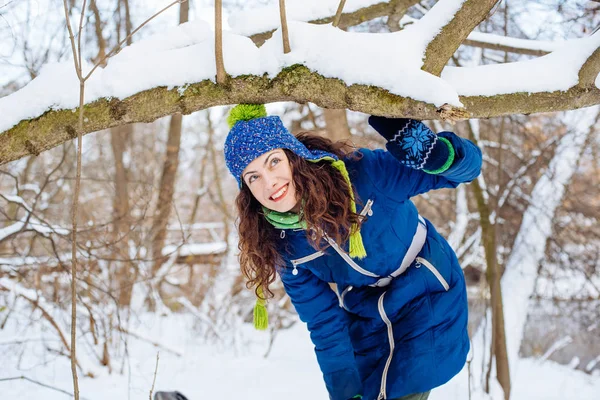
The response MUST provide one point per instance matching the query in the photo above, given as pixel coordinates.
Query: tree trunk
(121, 217)
(118, 140)
(336, 124)
(488, 234)
(166, 191)
(126, 271)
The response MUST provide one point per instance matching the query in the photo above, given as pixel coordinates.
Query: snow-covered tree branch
(393, 74)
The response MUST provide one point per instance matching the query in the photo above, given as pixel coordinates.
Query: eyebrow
(264, 164)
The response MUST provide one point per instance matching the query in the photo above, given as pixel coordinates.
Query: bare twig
(284, 27)
(156, 344)
(118, 46)
(78, 68)
(338, 14)
(221, 75)
(14, 378)
(154, 380)
(72, 39)
(79, 34)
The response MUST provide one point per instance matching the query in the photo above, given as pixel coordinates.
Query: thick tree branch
(295, 83)
(444, 45)
(590, 69)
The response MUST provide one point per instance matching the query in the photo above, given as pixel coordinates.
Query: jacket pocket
(304, 260)
(423, 262)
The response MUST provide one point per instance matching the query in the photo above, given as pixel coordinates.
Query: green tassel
(245, 112)
(357, 248)
(261, 316)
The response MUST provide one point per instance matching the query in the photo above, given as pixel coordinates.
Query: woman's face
(269, 178)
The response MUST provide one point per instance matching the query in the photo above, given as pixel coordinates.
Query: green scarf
(284, 220)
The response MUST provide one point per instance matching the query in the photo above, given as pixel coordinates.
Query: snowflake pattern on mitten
(412, 144)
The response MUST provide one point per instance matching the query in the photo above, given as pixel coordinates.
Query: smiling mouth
(280, 194)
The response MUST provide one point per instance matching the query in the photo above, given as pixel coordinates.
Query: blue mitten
(413, 144)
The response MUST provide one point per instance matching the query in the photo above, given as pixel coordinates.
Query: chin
(283, 208)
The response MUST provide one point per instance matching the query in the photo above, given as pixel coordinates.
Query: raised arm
(418, 160)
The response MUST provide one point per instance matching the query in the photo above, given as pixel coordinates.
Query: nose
(270, 180)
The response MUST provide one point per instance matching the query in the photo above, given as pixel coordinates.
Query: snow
(11, 229)
(536, 227)
(543, 45)
(266, 18)
(32, 224)
(519, 279)
(194, 249)
(207, 371)
(324, 49)
(543, 74)
(557, 346)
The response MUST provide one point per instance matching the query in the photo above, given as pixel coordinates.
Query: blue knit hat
(253, 134)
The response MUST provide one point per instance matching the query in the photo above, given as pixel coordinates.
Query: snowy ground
(205, 372)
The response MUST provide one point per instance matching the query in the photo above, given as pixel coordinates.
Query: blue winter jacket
(409, 336)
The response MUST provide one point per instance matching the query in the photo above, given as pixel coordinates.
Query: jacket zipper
(348, 259)
(349, 288)
(390, 331)
(305, 259)
(434, 271)
(366, 209)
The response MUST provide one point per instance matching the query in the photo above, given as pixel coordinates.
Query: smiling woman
(317, 212)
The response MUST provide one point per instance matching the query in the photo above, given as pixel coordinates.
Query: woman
(316, 213)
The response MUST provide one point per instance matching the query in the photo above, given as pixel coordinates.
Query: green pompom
(245, 112)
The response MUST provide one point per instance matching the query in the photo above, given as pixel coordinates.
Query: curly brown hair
(326, 209)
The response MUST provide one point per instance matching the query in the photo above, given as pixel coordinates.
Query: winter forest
(119, 276)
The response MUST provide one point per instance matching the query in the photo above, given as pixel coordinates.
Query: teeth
(279, 193)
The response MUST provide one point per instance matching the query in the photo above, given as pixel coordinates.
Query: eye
(252, 178)
(275, 161)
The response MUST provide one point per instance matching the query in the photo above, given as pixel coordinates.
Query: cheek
(256, 191)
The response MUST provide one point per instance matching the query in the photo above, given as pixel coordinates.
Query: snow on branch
(446, 26)
(260, 23)
(265, 19)
(319, 69)
(512, 45)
